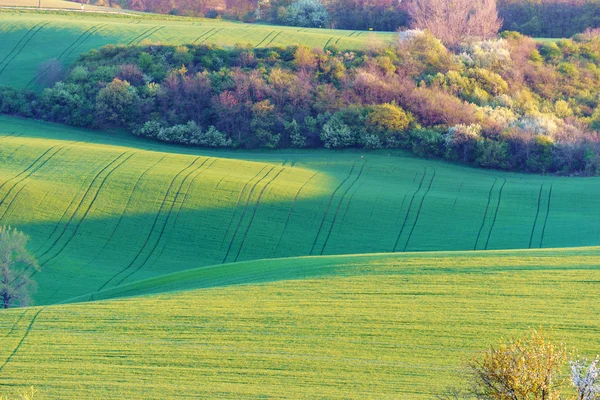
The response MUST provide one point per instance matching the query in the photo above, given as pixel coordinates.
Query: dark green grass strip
(287, 221)
(273, 38)
(237, 228)
(164, 225)
(537, 213)
(327, 44)
(254, 213)
(22, 47)
(211, 35)
(19, 42)
(22, 340)
(88, 209)
(487, 242)
(79, 206)
(546, 219)
(237, 204)
(328, 206)
(419, 211)
(487, 207)
(204, 34)
(337, 210)
(409, 208)
(264, 39)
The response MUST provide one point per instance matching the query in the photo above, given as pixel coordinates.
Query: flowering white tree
(585, 378)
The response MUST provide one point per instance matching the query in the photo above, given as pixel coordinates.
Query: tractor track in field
(116, 164)
(185, 195)
(211, 35)
(237, 228)
(352, 197)
(254, 213)
(328, 206)
(412, 199)
(135, 186)
(265, 38)
(168, 217)
(23, 175)
(487, 207)
(87, 37)
(140, 35)
(22, 47)
(537, 214)
(76, 40)
(12, 202)
(238, 203)
(12, 329)
(337, 210)
(163, 205)
(487, 242)
(287, 221)
(327, 43)
(412, 229)
(546, 218)
(226, 175)
(31, 173)
(457, 194)
(273, 38)
(147, 35)
(22, 339)
(16, 46)
(204, 34)
(82, 187)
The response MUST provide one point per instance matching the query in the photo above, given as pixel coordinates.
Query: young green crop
(381, 326)
(116, 210)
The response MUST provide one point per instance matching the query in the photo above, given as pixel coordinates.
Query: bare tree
(15, 264)
(452, 21)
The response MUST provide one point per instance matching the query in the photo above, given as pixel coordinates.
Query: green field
(119, 210)
(196, 240)
(29, 39)
(375, 326)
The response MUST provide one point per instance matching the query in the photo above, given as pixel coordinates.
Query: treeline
(536, 18)
(549, 18)
(511, 103)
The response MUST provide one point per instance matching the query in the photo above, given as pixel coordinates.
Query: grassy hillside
(118, 210)
(380, 326)
(30, 39)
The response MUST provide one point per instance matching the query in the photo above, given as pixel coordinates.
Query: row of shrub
(511, 103)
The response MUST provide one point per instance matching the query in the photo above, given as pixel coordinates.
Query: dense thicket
(510, 103)
(537, 18)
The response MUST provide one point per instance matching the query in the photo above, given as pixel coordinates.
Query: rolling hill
(366, 326)
(29, 39)
(118, 210)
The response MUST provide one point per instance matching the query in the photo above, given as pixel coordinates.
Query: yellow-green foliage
(389, 117)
